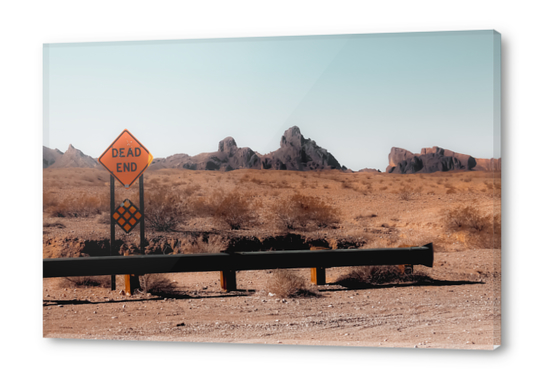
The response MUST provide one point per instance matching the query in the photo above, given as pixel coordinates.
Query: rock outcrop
(74, 158)
(298, 153)
(435, 159)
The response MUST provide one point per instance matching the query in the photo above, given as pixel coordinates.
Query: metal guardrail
(228, 264)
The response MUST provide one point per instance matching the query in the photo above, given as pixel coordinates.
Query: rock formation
(298, 153)
(434, 159)
(295, 153)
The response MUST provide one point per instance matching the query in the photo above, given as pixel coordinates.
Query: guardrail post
(318, 275)
(228, 280)
(131, 283)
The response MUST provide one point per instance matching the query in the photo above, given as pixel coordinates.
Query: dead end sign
(126, 158)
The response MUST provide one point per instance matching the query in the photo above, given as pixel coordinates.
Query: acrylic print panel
(344, 189)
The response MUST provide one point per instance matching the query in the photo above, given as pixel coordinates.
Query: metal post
(318, 275)
(133, 279)
(228, 280)
(142, 210)
(112, 222)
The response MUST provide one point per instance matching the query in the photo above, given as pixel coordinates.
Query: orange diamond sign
(126, 159)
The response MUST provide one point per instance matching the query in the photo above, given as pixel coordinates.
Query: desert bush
(202, 244)
(469, 218)
(285, 283)
(483, 231)
(190, 189)
(406, 193)
(346, 185)
(300, 210)
(375, 275)
(235, 210)
(164, 209)
(86, 281)
(157, 284)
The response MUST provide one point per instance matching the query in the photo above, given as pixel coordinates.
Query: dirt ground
(456, 306)
(460, 309)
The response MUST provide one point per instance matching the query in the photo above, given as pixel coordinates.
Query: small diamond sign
(127, 216)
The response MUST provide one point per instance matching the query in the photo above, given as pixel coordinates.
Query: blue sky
(355, 95)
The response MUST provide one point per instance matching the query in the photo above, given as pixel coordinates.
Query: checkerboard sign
(127, 216)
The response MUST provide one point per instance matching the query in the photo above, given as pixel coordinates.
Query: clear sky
(355, 95)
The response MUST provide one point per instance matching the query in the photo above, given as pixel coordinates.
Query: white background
(26, 25)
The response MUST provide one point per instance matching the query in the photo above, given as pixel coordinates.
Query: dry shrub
(468, 218)
(157, 284)
(375, 275)
(483, 231)
(202, 244)
(406, 193)
(235, 210)
(346, 185)
(190, 189)
(285, 283)
(206, 206)
(300, 211)
(86, 281)
(164, 209)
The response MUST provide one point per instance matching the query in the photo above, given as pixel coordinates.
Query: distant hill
(71, 158)
(435, 159)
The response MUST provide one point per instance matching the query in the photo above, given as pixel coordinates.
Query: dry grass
(235, 210)
(331, 203)
(299, 211)
(75, 205)
(285, 283)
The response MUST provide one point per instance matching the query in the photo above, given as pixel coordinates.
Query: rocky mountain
(434, 159)
(50, 156)
(73, 158)
(298, 153)
(295, 153)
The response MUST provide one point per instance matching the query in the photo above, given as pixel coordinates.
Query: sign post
(126, 159)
